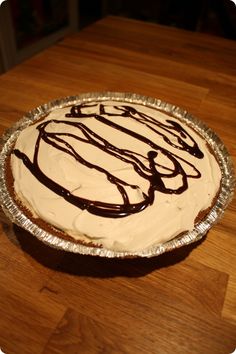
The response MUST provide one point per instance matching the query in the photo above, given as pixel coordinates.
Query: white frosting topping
(168, 215)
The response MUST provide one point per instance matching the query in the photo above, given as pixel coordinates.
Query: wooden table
(181, 302)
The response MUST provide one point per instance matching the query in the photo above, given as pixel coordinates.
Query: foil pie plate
(15, 215)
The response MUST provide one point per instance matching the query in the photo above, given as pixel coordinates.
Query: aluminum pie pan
(17, 216)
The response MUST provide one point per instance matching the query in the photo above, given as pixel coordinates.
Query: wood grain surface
(181, 302)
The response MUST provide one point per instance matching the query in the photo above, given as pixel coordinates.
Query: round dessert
(117, 174)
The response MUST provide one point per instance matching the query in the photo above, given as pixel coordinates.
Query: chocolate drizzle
(147, 167)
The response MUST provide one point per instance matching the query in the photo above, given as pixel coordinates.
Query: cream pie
(114, 174)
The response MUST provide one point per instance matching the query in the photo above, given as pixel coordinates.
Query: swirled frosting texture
(122, 175)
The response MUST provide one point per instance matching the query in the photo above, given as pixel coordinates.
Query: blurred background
(28, 26)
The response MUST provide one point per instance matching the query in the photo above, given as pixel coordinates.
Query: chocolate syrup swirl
(147, 167)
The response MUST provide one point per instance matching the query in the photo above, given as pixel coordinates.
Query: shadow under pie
(95, 266)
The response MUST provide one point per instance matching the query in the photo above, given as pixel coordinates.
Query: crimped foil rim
(15, 214)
